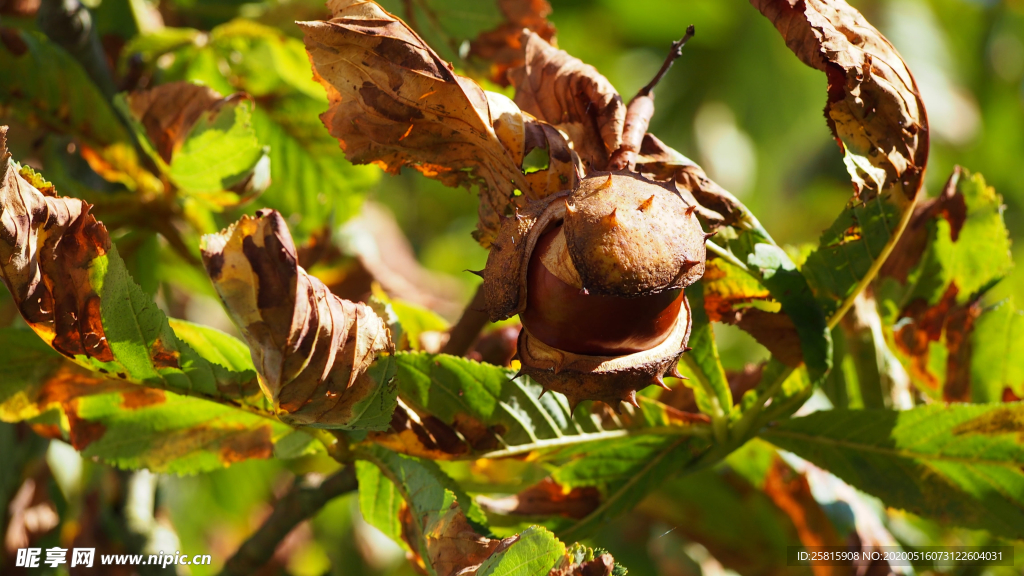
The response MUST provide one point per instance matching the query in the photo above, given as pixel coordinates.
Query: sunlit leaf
(955, 249)
(395, 103)
(456, 408)
(959, 464)
(205, 143)
(72, 288)
(312, 183)
(448, 533)
(127, 425)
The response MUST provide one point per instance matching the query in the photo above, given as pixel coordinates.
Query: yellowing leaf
(72, 288)
(322, 361)
(395, 103)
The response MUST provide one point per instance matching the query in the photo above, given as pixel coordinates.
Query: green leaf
(713, 396)
(313, 184)
(86, 306)
(218, 347)
(626, 471)
(425, 487)
(753, 251)
(997, 343)
(446, 528)
(220, 151)
(979, 254)
(374, 412)
(46, 87)
(147, 351)
(379, 501)
(960, 464)
(499, 416)
(851, 250)
(413, 319)
(168, 433)
(955, 250)
(535, 553)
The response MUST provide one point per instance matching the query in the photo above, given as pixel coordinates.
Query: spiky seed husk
(632, 252)
(610, 379)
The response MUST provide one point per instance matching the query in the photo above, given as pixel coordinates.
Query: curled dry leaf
(316, 354)
(874, 108)
(47, 245)
(573, 96)
(877, 117)
(73, 290)
(395, 103)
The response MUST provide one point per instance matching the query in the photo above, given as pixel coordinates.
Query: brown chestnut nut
(596, 275)
(571, 319)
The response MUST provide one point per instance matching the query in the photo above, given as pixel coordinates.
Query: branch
(69, 25)
(301, 502)
(641, 110)
(467, 329)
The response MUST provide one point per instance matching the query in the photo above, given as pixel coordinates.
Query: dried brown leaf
(395, 103)
(575, 97)
(874, 108)
(546, 498)
(311, 348)
(47, 244)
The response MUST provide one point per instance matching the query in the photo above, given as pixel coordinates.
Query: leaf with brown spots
(323, 361)
(73, 290)
(395, 103)
(455, 408)
(446, 532)
(955, 250)
(124, 424)
(960, 464)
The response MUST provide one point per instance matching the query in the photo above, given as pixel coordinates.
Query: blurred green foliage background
(738, 102)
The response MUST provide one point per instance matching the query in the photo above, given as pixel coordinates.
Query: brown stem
(641, 110)
(465, 332)
(300, 503)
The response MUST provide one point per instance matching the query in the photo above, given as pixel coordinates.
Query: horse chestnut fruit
(596, 275)
(567, 317)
